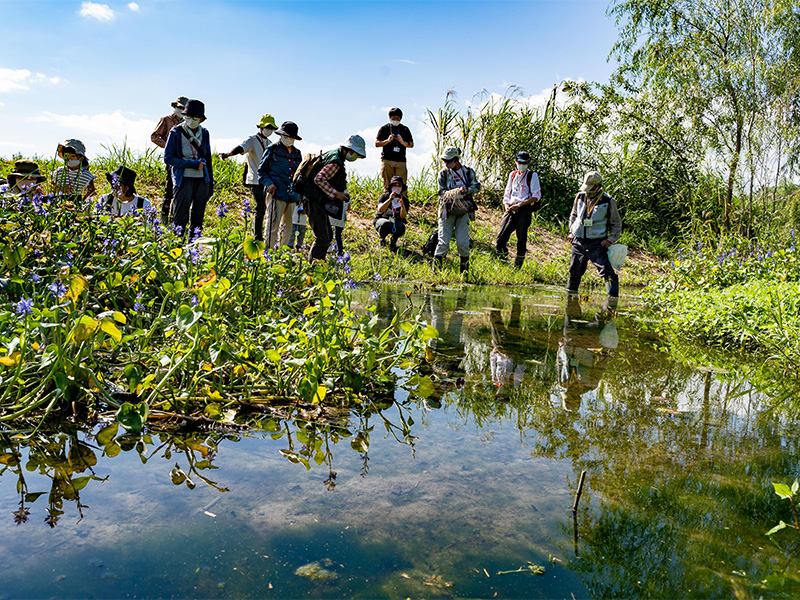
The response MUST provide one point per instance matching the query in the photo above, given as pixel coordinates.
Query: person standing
(73, 179)
(522, 197)
(299, 225)
(394, 138)
(159, 138)
(275, 173)
(188, 152)
(457, 185)
(253, 149)
(329, 192)
(594, 225)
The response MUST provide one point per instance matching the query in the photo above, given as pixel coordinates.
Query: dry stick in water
(580, 490)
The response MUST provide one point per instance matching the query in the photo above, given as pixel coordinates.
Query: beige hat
(451, 153)
(591, 179)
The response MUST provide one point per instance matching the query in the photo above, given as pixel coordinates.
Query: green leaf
(782, 490)
(273, 355)
(777, 528)
(795, 486)
(187, 317)
(252, 248)
(133, 417)
(107, 434)
(80, 482)
(177, 475)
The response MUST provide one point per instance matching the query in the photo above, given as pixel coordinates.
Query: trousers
(585, 250)
(189, 204)
(514, 222)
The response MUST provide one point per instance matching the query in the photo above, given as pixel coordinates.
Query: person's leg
(461, 229)
(286, 218)
(318, 219)
(402, 171)
(301, 234)
(292, 236)
(166, 203)
(337, 232)
(259, 197)
(577, 266)
(524, 216)
(274, 212)
(384, 228)
(399, 229)
(445, 233)
(181, 201)
(506, 229)
(599, 257)
(198, 210)
(386, 171)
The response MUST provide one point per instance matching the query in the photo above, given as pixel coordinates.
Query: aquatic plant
(787, 493)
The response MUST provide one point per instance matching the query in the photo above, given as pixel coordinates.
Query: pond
(462, 485)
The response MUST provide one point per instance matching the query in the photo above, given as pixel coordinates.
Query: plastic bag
(616, 255)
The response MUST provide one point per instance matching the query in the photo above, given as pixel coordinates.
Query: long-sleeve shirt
(159, 136)
(519, 190)
(323, 179)
(598, 220)
(461, 177)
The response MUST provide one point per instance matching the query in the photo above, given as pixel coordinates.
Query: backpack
(306, 171)
(429, 247)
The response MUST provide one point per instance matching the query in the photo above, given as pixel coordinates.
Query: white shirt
(123, 208)
(254, 148)
(518, 190)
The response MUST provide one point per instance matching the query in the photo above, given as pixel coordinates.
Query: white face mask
(287, 141)
(177, 111)
(397, 189)
(395, 122)
(266, 132)
(522, 166)
(192, 122)
(351, 156)
(74, 163)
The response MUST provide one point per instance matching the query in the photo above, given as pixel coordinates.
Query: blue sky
(105, 71)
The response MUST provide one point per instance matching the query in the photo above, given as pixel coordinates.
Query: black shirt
(394, 150)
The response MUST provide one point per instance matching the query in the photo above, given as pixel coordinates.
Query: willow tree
(710, 61)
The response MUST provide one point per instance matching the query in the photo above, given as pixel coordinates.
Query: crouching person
(594, 225)
(393, 205)
(457, 185)
(188, 152)
(123, 198)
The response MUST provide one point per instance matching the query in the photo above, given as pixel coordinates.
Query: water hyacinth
(222, 210)
(245, 208)
(24, 306)
(58, 289)
(138, 306)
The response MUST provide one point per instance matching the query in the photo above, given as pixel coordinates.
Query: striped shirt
(67, 181)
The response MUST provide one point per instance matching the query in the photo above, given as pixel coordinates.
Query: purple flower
(35, 278)
(57, 289)
(24, 306)
(194, 301)
(222, 210)
(178, 230)
(350, 284)
(279, 293)
(194, 253)
(245, 207)
(376, 277)
(374, 296)
(138, 306)
(346, 269)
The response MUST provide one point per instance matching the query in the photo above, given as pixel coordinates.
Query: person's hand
(569, 237)
(392, 137)
(343, 196)
(202, 165)
(270, 189)
(223, 155)
(462, 189)
(399, 138)
(605, 244)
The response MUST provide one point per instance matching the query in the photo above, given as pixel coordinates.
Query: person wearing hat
(393, 139)
(188, 152)
(275, 173)
(159, 138)
(521, 198)
(74, 179)
(329, 192)
(253, 149)
(594, 225)
(455, 182)
(25, 178)
(123, 198)
(390, 218)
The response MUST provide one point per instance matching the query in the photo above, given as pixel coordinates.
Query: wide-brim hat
(267, 120)
(180, 102)
(396, 180)
(71, 145)
(591, 179)
(195, 108)
(357, 144)
(24, 169)
(451, 153)
(523, 157)
(289, 129)
(123, 175)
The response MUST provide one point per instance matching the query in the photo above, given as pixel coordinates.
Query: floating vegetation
(316, 570)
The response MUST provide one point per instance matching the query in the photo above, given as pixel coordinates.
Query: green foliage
(787, 493)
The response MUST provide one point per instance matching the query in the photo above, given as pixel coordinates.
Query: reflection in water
(466, 474)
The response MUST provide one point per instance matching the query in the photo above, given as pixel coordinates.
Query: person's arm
(507, 192)
(234, 152)
(614, 222)
(384, 202)
(474, 185)
(263, 170)
(159, 136)
(443, 182)
(403, 210)
(406, 141)
(381, 142)
(91, 190)
(573, 215)
(535, 191)
(323, 182)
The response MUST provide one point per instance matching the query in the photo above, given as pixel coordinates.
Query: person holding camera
(393, 205)
(394, 138)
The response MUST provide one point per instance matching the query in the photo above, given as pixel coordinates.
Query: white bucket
(616, 255)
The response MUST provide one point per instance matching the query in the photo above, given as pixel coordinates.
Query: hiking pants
(189, 204)
(321, 226)
(585, 250)
(279, 212)
(449, 226)
(517, 222)
(390, 168)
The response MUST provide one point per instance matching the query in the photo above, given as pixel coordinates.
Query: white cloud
(101, 12)
(13, 79)
(20, 79)
(408, 62)
(133, 6)
(1, 104)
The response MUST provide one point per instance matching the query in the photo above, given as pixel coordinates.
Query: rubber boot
(612, 286)
(438, 262)
(518, 260)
